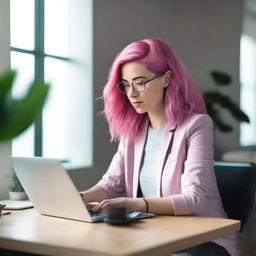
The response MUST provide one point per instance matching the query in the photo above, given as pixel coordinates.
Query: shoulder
(197, 122)
(199, 119)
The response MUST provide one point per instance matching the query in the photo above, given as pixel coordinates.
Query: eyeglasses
(138, 85)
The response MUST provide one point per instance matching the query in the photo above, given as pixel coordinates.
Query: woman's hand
(131, 204)
(94, 194)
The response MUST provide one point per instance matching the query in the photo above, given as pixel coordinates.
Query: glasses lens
(139, 86)
(122, 88)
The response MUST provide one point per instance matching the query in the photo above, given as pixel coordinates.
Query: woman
(164, 161)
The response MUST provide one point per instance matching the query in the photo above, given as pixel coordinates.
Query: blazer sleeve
(113, 181)
(198, 175)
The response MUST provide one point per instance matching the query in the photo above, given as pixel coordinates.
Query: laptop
(52, 191)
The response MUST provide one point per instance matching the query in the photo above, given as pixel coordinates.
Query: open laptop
(52, 192)
(50, 189)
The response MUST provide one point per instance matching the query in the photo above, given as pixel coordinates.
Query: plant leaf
(24, 111)
(215, 97)
(214, 114)
(6, 81)
(221, 125)
(221, 78)
(15, 184)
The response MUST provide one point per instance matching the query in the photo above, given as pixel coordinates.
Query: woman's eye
(139, 83)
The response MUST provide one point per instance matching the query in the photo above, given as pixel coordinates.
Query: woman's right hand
(94, 194)
(131, 204)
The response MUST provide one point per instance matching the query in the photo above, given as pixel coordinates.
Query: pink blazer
(185, 171)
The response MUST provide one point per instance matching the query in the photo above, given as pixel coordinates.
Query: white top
(150, 160)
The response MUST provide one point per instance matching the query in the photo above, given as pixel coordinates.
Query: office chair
(237, 186)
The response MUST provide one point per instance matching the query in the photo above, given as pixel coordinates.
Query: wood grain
(31, 232)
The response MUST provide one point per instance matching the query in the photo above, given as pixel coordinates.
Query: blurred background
(72, 43)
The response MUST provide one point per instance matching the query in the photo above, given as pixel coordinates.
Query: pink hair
(182, 98)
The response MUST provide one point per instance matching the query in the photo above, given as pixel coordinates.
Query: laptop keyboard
(96, 217)
(90, 207)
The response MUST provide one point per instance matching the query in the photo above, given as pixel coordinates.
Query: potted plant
(214, 100)
(16, 115)
(16, 190)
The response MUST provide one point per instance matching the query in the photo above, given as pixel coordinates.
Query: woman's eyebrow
(134, 78)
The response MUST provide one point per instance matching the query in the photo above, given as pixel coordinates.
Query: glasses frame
(144, 84)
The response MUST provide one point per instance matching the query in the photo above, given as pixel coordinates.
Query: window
(248, 89)
(52, 40)
(247, 74)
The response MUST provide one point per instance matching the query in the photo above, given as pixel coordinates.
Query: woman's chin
(140, 111)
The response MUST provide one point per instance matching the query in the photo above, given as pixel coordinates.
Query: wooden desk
(240, 156)
(30, 232)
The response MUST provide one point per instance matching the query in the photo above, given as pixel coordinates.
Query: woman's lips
(137, 103)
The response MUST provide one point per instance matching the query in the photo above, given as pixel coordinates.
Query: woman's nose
(131, 92)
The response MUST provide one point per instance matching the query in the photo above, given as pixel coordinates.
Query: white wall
(205, 33)
(5, 148)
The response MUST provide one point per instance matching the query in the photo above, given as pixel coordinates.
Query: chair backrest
(237, 186)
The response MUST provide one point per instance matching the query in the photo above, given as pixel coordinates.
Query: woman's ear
(167, 78)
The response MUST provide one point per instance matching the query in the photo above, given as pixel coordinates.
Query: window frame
(40, 55)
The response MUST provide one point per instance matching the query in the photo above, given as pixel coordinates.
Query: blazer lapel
(138, 154)
(166, 148)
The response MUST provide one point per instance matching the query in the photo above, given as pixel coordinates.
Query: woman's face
(151, 100)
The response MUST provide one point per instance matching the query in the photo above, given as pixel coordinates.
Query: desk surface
(29, 231)
(240, 156)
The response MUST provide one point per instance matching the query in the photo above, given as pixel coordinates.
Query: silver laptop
(51, 190)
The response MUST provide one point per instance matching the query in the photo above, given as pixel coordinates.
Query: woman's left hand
(131, 204)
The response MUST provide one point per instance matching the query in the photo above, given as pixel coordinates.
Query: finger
(97, 208)
(103, 206)
(100, 206)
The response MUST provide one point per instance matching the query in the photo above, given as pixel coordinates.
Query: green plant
(16, 115)
(15, 185)
(214, 100)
